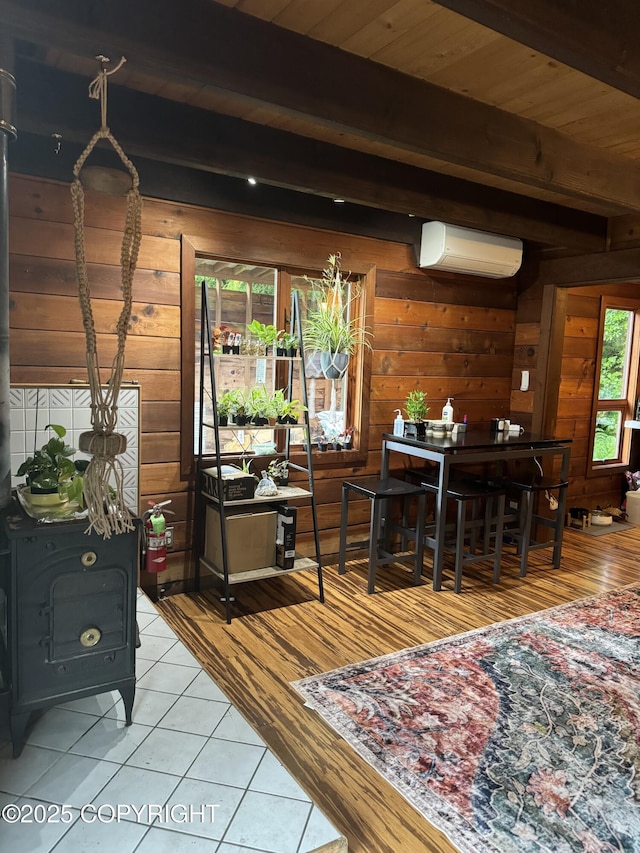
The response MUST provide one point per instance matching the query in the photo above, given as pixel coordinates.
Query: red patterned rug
(520, 737)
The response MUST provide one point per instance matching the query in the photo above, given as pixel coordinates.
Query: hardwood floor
(281, 632)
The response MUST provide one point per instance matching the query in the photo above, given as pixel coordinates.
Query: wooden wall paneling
(432, 286)
(448, 364)
(392, 388)
(68, 349)
(63, 313)
(409, 338)
(160, 447)
(55, 240)
(442, 315)
(154, 384)
(31, 274)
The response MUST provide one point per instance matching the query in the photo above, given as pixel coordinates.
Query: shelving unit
(283, 451)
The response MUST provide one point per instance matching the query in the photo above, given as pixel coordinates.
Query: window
(616, 384)
(240, 292)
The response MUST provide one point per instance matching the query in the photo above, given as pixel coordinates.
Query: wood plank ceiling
(514, 116)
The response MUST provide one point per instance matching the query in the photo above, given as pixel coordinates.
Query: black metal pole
(7, 131)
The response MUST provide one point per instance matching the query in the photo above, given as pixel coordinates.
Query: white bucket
(633, 507)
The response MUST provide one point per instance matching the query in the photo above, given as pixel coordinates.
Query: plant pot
(223, 420)
(322, 446)
(281, 351)
(334, 364)
(415, 429)
(240, 420)
(292, 352)
(46, 498)
(337, 445)
(259, 421)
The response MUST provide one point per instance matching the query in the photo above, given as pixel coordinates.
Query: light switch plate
(524, 380)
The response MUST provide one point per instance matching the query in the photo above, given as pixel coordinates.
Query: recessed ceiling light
(252, 181)
(338, 201)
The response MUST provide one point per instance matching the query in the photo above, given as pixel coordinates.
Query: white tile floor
(187, 747)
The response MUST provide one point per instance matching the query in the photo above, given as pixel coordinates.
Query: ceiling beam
(595, 37)
(622, 265)
(265, 65)
(53, 101)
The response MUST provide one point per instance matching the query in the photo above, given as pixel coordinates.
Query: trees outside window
(617, 384)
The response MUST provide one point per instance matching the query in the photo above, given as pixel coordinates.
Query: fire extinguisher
(155, 537)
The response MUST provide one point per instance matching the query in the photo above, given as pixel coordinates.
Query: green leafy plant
(224, 403)
(331, 327)
(239, 403)
(288, 341)
(284, 408)
(52, 469)
(415, 406)
(267, 333)
(278, 470)
(260, 403)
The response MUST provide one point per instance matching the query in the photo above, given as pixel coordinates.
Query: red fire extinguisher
(155, 537)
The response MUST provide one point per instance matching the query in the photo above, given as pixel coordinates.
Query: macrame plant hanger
(107, 511)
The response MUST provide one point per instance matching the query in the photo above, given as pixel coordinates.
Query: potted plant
(286, 411)
(416, 409)
(288, 344)
(52, 476)
(239, 409)
(278, 470)
(259, 405)
(266, 333)
(330, 329)
(224, 407)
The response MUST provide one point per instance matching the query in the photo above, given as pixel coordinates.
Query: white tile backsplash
(71, 408)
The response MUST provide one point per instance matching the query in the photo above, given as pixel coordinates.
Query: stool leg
(525, 533)
(343, 528)
(417, 572)
(462, 517)
(498, 540)
(374, 532)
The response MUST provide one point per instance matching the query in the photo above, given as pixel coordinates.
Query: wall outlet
(168, 537)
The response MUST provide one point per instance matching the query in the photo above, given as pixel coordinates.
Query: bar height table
(467, 448)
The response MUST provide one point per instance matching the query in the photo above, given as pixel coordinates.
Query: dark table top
(478, 439)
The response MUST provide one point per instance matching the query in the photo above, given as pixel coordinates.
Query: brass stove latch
(89, 558)
(90, 637)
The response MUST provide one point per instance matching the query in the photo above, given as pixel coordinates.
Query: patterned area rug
(522, 736)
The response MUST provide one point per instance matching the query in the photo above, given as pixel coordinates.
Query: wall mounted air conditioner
(449, 247)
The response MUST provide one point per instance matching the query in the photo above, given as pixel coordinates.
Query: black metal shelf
(285, 493)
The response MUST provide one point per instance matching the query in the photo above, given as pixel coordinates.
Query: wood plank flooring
(281, 632)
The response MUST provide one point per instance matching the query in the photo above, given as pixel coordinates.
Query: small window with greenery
(245, 297)
(616, 384)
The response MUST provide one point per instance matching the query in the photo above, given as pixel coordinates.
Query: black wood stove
(71, 620)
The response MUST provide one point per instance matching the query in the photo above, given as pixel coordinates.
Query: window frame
(625, 405)
(296, 260)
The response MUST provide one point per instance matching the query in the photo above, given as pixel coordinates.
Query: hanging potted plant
(330, 329)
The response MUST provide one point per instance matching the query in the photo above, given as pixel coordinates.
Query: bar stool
(519, 525)
(378, 491)
(487, 503)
